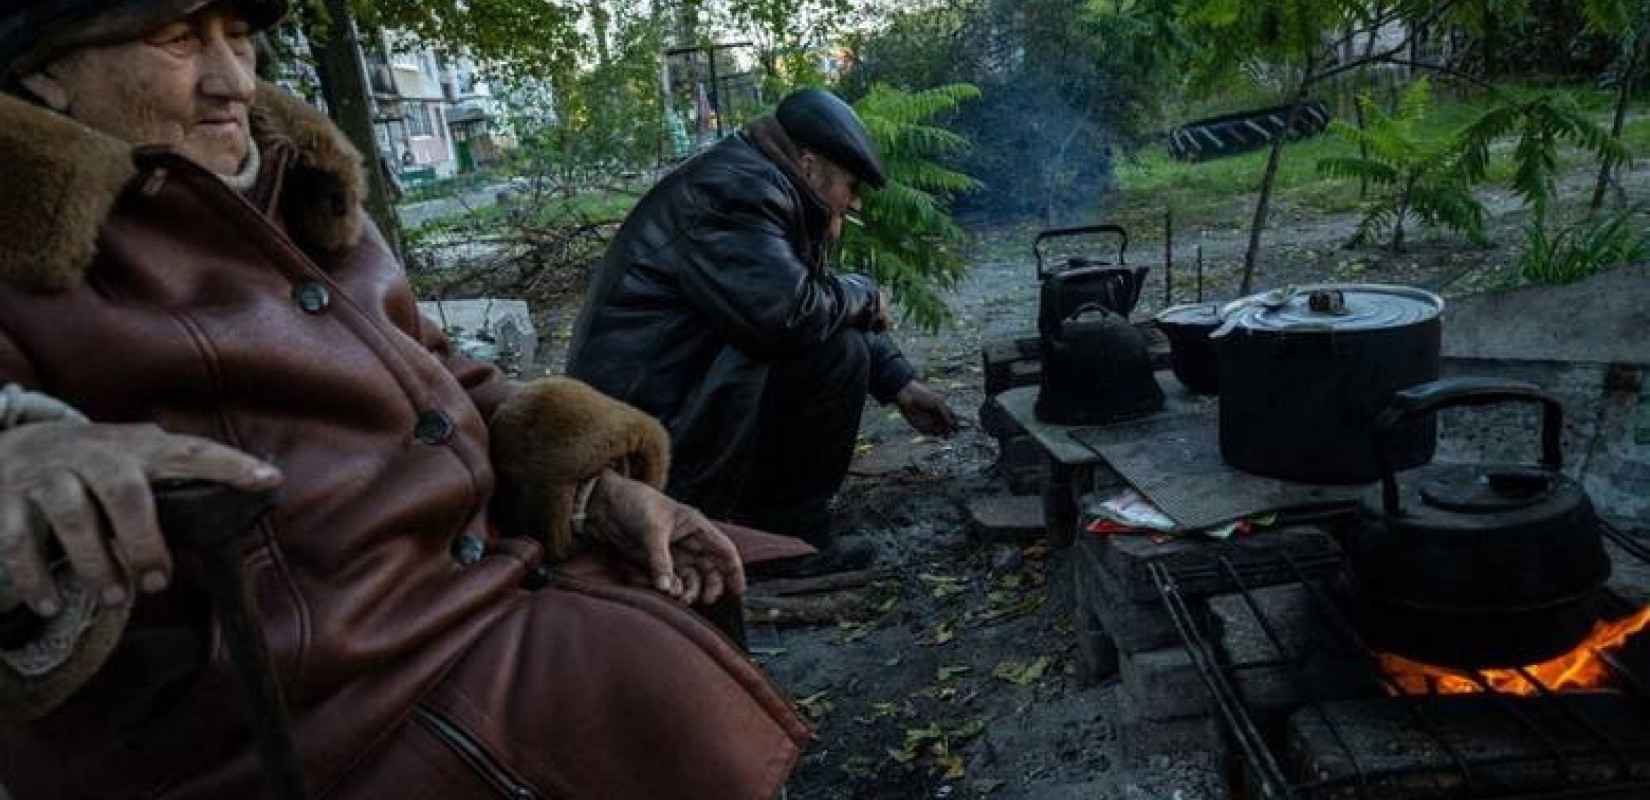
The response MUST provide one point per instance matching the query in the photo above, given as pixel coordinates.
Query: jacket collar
(65, 178)
(772, 140)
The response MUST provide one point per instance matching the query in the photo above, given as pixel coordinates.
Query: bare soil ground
(963, 684)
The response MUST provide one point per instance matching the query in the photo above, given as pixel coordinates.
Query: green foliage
(522, 38)
(1414, 174)
(1582, 249)
(1538, 125)
(908, 240)
(609, 116)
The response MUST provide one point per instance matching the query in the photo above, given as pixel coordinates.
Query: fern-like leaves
(908, 241)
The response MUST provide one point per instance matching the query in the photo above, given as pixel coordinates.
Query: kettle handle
(1432, 397)
(1087, 307)
(1085, 230)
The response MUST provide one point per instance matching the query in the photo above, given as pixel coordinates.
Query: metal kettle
(1476, 565)
(1097, 368)
(1081, 280)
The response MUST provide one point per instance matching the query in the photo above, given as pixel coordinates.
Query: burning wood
(1581, 668)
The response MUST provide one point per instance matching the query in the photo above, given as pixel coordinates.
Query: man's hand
(925, 410)
(80, 492)
(686, 556)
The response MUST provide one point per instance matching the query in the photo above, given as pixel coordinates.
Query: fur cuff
(554, 433)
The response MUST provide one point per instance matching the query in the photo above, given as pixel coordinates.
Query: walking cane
(208, 519)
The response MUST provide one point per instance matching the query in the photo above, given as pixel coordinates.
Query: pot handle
(1085, 230)
(1432, 397)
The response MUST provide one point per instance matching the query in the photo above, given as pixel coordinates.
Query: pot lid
(1473, 491)
(1191, 314)
(1333, 307)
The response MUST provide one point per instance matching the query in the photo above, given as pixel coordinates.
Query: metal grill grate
(1581, 746)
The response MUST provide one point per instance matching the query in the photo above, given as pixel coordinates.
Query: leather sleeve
(890, 372)
(739, 269)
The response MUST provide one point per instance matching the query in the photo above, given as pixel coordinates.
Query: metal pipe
(1168, 257)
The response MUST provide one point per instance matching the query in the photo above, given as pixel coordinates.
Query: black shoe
(838, 557)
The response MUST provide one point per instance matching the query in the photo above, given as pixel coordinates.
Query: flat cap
(821, 122)
(33, 32)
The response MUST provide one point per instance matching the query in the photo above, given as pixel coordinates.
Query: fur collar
(63, 180)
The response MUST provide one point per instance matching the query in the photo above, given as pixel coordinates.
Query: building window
(418, 121)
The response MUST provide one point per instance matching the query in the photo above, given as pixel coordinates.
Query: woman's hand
(81, 493)
(686, 556)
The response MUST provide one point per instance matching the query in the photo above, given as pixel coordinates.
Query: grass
(1220, 193)
(598, 206)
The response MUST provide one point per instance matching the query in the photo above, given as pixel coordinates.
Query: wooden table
(1072, 469)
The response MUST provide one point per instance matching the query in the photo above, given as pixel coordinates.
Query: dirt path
(963, 684)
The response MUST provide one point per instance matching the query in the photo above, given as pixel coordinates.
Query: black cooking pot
(1304, 372)
(1097, 368)
(1191, 351)
(1476, 566)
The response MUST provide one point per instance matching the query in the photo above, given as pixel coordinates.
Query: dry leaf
(1021, 672)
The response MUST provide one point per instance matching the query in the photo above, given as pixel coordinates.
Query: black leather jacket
(719, 270)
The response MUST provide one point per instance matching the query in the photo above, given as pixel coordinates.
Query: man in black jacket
(714, 310)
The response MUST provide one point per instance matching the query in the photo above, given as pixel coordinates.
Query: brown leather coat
(419, 655)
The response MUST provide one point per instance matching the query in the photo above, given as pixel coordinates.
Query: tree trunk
(1624, 93)
(1251, 256)
(344, 84)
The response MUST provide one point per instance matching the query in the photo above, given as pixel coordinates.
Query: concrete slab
(474, 325)
(1604, 319)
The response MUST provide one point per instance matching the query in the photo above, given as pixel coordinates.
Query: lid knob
(1327, 301)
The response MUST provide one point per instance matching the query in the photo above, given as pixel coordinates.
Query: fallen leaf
(1021, 672)
(942, 586)
(816, 705)
(938, 635)
(855, 631)
(953, 764)
(969, 730)
(902, 756)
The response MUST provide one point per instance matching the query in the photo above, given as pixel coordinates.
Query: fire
(1581, 668)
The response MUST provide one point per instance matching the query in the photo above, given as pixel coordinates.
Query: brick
(1161, 685)
(1006, 518)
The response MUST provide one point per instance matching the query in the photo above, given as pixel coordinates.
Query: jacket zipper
(473, 753)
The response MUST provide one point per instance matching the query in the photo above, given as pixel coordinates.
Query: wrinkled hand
(686, 556)
(925, 410)
(80, 493)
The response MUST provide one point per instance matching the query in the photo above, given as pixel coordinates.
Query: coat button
(536, 578)
(312, 297)
(467, 550)
(434, 427)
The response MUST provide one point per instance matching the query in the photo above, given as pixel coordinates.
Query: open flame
(1580, 668)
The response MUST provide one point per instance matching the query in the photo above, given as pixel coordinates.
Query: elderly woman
(190, 290)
